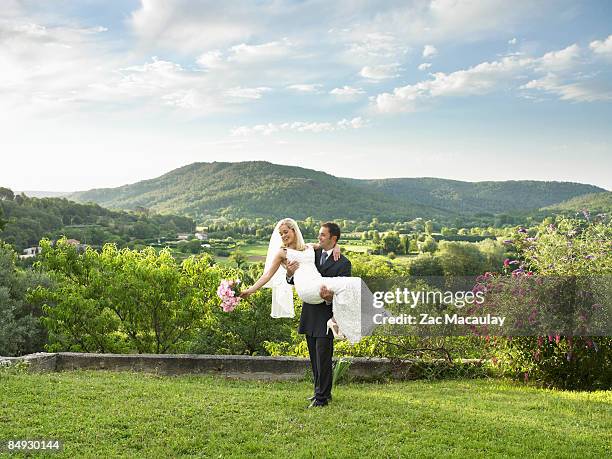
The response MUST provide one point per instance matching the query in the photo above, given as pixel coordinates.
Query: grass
(255, 251)
(106, 414)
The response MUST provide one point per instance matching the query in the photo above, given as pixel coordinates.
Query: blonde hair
(292, 224)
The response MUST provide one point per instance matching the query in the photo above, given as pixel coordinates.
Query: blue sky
(103, 93)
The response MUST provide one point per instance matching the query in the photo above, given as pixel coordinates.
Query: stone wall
(237, 366)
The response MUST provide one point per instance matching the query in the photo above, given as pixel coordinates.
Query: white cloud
(602, 47)
(347, 91)
(563, 70)
(340, 37)
(560, 60)
(183, 98)
(45, 67)
(380, 72)
(306, 88)
(245, 53)
(512, 41)
(158, 84)
(370, 29)
(355, 123)
(247, 93)
(211, 59)
(299, 126)
(376, 45)
(236, 53)
(589, 88)
(189, 27)
(429, 51)
(480, 79)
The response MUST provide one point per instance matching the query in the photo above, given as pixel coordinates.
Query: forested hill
(28, 220)
(594, 202)
(263, 189)
(255, 189)
(478, 197)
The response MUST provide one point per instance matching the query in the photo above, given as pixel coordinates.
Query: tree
(461, 258)
(405, 244)
(21, 199)
(6, 194)
(2, 221)
(239, 258)
(391, 242)
(143, 211)
(428, 245)
(21, 331)
(123, 300)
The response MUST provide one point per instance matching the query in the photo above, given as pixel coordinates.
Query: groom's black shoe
(317, 403)
(310, 399)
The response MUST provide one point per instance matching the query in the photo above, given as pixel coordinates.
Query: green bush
(559, 362)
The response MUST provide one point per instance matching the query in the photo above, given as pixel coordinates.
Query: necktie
(323, 257)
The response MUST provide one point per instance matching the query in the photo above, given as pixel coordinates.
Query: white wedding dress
(349, 293)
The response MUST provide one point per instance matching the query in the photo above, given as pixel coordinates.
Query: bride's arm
(280, 256)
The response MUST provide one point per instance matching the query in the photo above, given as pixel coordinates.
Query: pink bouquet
(228, 292)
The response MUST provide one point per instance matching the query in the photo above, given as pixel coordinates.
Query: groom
(313, 321)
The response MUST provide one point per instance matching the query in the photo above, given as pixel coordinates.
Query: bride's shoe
(333, 326)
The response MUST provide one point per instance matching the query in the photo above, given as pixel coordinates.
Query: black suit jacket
(314, 317)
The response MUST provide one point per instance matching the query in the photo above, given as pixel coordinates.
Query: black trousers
(321, 350)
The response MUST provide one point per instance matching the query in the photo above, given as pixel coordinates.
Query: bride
(287, 245)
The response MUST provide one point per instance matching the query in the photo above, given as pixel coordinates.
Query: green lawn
(106, 414)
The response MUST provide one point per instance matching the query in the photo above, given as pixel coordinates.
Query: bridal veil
(282, 291)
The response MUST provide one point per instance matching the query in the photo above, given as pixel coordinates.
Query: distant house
(202, 236)
(30, 252)
(79, 247)
(183, 236)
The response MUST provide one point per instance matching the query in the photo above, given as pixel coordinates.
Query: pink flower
(227, 294)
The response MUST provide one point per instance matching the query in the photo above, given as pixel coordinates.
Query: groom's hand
(326, 294)
(292, 267)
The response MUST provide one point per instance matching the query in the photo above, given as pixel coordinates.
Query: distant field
(255, 251)
(356, 248)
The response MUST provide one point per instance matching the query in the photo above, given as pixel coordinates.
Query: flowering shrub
(562, 254)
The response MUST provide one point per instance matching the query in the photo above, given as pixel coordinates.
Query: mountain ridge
(264, 189)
